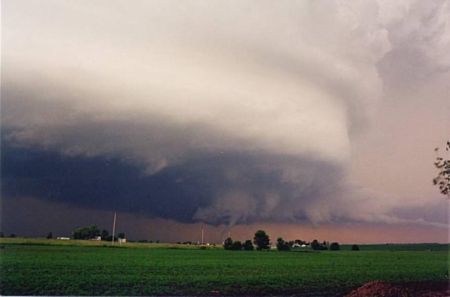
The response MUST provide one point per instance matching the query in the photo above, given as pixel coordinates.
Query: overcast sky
(284, 114)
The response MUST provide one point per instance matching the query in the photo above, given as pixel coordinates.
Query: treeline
(93, 232)
(261, 241)
(12, 235)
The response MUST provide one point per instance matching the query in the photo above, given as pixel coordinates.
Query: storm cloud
(225, 112)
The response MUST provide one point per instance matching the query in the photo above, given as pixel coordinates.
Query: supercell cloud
(225, 112)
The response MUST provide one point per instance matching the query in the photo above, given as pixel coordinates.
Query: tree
(299, 241)
(104, 234)
(49, 235)
(355, 247)
(248, 245)
(282, 245)
(236, 245)
(261, 240)
(442, 180)
(315, 245)
(88, 232)
(121, 235)
(228, 243)
(334, 246)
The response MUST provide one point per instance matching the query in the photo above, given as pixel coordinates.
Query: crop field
(33, 267)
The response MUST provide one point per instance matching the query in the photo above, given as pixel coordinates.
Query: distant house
(97, 238)
(297, 245)
(63, 238)
(122, 240)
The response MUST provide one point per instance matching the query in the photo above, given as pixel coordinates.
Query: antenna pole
(114, 229)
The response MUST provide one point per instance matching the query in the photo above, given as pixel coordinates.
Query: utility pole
(114, 229)
(203, 233)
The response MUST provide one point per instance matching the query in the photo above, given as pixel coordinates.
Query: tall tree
(228, 243)
(261, 240)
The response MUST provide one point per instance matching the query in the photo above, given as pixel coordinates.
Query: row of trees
(283, 245)
(229, 244)
(262, 242)
(92, 232)
(12, 235)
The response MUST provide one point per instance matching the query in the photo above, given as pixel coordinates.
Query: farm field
(40, 267)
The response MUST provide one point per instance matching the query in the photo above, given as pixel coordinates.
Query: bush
(110, 238)
(355, 247)
(334, 246)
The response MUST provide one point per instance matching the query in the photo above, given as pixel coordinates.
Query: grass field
(43, 267)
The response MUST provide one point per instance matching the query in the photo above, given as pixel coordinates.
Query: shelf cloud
(223, 112)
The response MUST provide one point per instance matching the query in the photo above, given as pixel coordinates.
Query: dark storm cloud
(98, 182)
(185, 192)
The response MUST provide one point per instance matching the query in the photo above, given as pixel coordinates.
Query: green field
(40, 267)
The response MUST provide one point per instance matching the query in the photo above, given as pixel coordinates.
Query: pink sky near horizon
(39, 217)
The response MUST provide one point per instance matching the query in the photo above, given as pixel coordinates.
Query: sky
(310, 119)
